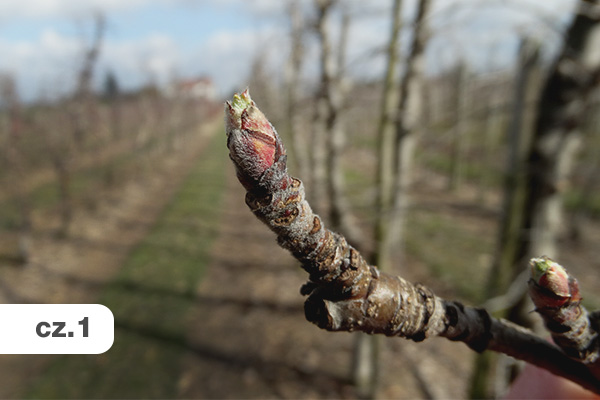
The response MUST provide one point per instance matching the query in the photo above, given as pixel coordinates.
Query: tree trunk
(548, 160)
(385, 138)
(584, 200)
(340, 213)
(330, 107)
(459, 145)
(491, 127)
(15, 160)
(573, 78)
(367, 348)
(83, 97)
(394, 169)
(407, 119)
(63, 174)
(519, 140)
(292, 76)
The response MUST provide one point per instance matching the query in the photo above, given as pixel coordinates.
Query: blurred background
(411, 123)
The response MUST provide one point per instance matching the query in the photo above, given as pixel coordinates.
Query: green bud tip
(539, 266)
(240, 102)
(550, 275)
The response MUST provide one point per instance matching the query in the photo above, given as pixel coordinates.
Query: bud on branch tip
(551, 285)
(253, 143)
(550, 275)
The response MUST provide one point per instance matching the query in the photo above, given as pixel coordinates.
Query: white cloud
(53, 43)
(227, 54)
(155, 58)
(43, 62)
(59, 8)
(51, 62)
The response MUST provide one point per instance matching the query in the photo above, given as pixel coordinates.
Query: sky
(42, 41)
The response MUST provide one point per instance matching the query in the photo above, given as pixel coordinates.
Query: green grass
(575, 201)
(472, 171)
(451, 252)
(151, 299)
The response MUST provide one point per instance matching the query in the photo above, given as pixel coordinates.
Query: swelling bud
(253, 143)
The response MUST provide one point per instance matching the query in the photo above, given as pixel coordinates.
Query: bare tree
(83, 96)
(408, 118)
(491, 120)
(63, 147)
(330, 104)
(385, 139)
(533, 207)
(519, 140)
(112, 96)
(13, 153)
(503, 270)
(459, 129)
(367, 349)
(293, 79)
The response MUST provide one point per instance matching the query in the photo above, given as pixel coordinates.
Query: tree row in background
(55, 154)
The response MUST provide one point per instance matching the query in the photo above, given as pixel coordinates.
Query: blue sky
(42, 41)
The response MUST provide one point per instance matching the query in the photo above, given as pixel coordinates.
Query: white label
(56, 328)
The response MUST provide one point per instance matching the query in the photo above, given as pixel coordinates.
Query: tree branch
(345, 292)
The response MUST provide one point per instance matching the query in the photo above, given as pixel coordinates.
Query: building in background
(201, 88)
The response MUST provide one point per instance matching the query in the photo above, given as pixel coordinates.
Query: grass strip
(151, 299)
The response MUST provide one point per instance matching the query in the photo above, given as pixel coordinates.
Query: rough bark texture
(345, 292)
